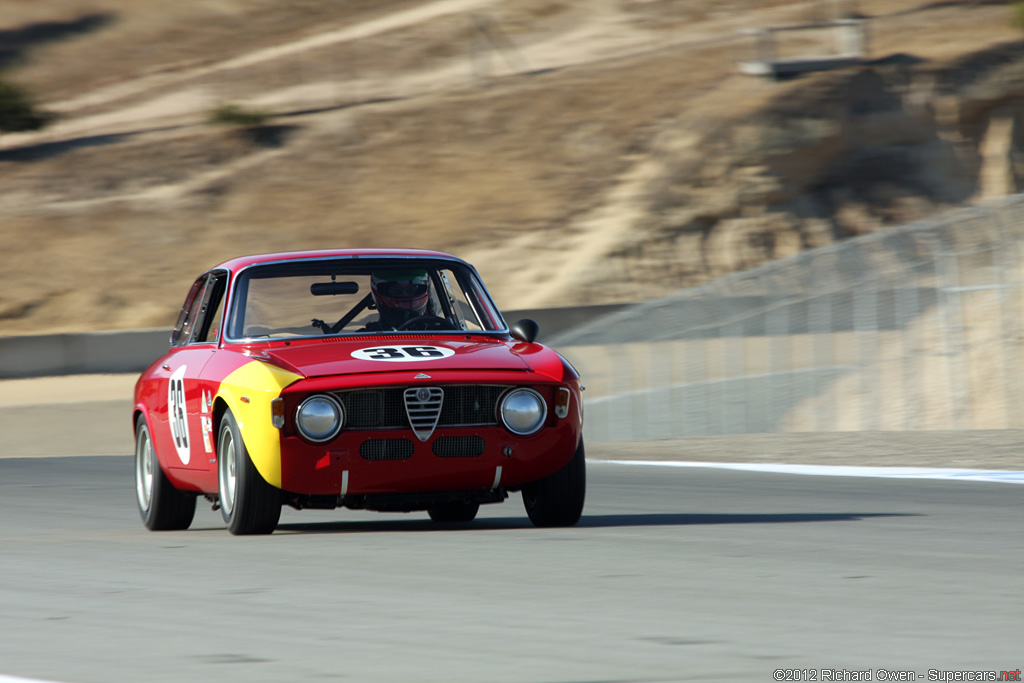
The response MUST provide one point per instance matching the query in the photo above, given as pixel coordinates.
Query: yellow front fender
(248, 392)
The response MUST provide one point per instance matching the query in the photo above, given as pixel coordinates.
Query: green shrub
(234, 115)
(17, 112)
(1017, 8)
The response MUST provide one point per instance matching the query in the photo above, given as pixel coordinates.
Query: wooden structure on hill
(848, 38)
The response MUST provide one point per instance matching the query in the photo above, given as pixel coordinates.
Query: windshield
(348, 296)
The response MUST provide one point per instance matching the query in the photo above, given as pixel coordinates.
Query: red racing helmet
(400, 294)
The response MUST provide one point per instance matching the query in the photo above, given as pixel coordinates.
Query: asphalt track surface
(674, 574)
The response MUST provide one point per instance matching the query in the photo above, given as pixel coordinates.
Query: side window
(183, 328)
(206, 329)
(473, 303)
(463, 314)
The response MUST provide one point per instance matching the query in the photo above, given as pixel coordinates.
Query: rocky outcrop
(834, 156)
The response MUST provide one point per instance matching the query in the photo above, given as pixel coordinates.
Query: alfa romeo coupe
(370, 380)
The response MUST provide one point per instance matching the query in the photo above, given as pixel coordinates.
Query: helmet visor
(401, 290)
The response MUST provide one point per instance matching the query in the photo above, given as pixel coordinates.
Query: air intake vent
(386, 449)
(423, 408)
(458, 446)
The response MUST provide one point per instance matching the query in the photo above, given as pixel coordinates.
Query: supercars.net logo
(892, 675)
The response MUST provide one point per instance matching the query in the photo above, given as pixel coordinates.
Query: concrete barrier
(85, 352)
(133, 350)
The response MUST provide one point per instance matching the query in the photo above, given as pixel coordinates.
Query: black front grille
(470, 405)
(464, 405)
(459, 446)
(374, 409)
(386, 449)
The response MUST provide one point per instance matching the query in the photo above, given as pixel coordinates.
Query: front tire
(161, 506)
(248, 504)
(557, 500)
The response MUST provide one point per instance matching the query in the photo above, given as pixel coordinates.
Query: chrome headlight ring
(522, 411)
(319, 418)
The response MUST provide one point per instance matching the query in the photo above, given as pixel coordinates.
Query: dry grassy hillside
(575, 151)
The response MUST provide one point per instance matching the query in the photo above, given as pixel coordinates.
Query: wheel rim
(144, 469)
(227, 469)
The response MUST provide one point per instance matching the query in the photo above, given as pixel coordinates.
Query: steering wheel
(427, 322)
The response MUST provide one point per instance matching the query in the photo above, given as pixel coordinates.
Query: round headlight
(523, 411)
(319, 418)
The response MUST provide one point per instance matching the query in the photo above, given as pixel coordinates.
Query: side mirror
(525, 330)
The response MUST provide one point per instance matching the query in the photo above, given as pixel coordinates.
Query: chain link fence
(914, 328)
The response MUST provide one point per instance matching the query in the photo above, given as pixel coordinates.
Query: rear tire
(453, 512)
(161, 506)
(248, 504)
(558, 500)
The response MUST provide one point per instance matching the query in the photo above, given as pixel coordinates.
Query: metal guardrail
(914, 328)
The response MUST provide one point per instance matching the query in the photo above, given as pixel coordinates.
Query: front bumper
(347, 466)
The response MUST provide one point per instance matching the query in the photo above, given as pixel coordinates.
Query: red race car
(367, 379)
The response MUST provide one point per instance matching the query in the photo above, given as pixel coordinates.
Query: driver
(400, 296)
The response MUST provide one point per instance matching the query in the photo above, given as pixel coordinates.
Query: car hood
(333, 356)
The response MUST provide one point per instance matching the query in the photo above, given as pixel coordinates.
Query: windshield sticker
(177, 413)
(403, 354)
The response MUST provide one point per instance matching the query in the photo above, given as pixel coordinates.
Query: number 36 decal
(403, 354)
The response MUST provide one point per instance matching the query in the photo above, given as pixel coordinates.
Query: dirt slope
(576, 152)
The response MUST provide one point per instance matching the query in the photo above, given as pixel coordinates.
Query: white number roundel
(403, 354)
(177, 415)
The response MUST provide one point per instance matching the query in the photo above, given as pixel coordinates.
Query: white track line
(1000, 476)
(14, 679)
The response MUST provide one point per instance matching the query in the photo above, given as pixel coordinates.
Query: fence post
(948, 284)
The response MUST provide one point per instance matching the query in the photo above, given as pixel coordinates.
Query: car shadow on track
(586, 522)
(403, 525)
(655, 519)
